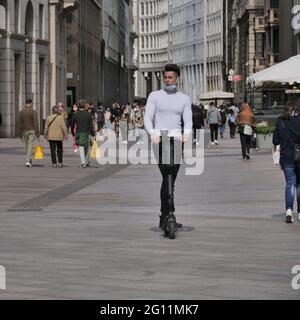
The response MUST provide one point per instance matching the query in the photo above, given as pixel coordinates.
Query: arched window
(29, 20)
(3, 14)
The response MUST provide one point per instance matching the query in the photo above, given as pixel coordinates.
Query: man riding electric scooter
(169, 121)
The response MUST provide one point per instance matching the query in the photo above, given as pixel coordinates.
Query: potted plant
(264, 135)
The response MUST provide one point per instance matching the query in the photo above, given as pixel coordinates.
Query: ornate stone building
(59, 12)
(24, 60)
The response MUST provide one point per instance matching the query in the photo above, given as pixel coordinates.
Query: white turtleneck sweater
(166, 111)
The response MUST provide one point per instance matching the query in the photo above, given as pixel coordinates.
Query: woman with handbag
(55, 132)
(287, 135)
(246, 123)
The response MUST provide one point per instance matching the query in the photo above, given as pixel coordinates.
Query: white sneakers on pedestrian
(212, 143)
(216, 142)
(28, 164)
(289, 216)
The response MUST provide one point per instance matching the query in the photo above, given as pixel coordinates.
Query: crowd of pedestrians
(85, 122)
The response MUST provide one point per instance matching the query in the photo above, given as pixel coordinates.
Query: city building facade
(186, 32)
(152, 46)
(117, 51)
(196, 44)
(24, 60)
(59, 10)
(84, 36)
(245, 43)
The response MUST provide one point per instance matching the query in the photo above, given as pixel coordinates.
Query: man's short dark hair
(174, 68)
(28, 101)
(81, 104)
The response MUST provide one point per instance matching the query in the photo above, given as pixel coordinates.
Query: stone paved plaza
(92, 233)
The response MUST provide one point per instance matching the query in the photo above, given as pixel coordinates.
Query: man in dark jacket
(29, 129)
(83, 121)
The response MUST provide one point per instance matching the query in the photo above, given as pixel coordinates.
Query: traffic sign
(231, 72)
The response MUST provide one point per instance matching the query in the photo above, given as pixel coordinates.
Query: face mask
(170, 88)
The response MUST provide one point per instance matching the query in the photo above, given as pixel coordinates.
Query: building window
(2, 17)
(142, 9)
(17, 16)
(41, 21)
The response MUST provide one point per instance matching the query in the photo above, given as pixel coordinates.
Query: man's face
(170, 77)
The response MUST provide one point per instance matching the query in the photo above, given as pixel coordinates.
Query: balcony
(259, 24)
(260, 63)
(70, 5)
(272, 17)
(273, 58)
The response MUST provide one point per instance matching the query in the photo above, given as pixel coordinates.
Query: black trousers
(232, 127)
(56, 147)
(214, 128)
(173, 152)
(245, 144)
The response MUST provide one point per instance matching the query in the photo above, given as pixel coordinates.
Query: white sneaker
(197, 143)
(216, 142)
(212, 143)
(289, 216)
(28, 164)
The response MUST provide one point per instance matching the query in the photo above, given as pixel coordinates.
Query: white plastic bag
(276, 155)
(248, 130)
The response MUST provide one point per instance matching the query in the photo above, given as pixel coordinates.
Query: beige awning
(216, 95)
(284, 72)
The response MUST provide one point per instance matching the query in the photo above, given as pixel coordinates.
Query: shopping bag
(276, 155)
(248, 130)
(38, 152)
(95, 152)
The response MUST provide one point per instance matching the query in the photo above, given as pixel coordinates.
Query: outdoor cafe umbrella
(284, 72)
(216, 95)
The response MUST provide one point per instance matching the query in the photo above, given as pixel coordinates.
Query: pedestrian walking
(100, 117)
(123, 123)
(83, 121)
(198, 122)
(74, 110)
(29, 130)
(246, 125)
(222, 126)
(107, 119)
(232, 123)
(55, 133)
(213, 119)
(287, 135)
(138, 122)
(166, 109)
